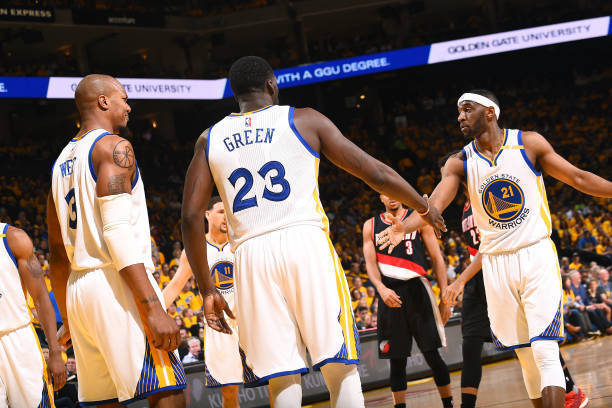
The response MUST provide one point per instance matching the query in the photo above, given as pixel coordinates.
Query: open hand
(214, 306)
(392, 236)
(452, 291)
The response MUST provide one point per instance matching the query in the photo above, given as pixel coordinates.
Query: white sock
(344, 385)
(286, 391)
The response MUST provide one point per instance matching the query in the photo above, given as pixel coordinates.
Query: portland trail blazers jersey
(13, 307)
(266, 173)
(507, 196)
(74, 193)
(407, 260)
(470, 230)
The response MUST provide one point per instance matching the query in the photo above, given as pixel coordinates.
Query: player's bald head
(92, 87)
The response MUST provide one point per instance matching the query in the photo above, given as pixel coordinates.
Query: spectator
(193, 356)
(358, 283)
(596, 315)
(595, 298)
(363, 318)
(575, 264)
(587, 241)
(183, 348)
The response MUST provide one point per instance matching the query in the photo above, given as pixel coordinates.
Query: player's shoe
(576, 399)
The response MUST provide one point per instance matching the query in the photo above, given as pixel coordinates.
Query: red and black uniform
(475, 321)
(418, 317)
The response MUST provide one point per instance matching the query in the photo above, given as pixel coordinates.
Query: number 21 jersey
(266, 173)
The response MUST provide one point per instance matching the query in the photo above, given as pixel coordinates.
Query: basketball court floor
(590, 364)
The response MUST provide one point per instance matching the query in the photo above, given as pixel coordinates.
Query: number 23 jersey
(507, 196)
(266, 173)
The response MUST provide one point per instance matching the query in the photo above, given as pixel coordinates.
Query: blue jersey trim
(6, 245)
(264, 380)
(208, 141)
(492, 163)
(465, 170)
(223, 385)
(299, 136)
(317, 367)
(91, 168)
(557, 338)
(524, 154)
(91, 403)
(137, 176)
(156, 391)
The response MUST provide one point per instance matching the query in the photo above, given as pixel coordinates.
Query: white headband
(483, 100)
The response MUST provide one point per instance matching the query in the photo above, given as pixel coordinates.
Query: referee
(408, 308)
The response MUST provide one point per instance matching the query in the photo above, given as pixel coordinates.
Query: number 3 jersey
(74, 193)
(407, 260)
(507, 196)
(266, 173)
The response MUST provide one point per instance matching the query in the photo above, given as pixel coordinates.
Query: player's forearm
(144, 295)
(47, 319)
(592, 184)
(58, 274)
(413, 222)
(194, 239)
(472, 269)
(375, 276)
(439, 269)
(391, 184)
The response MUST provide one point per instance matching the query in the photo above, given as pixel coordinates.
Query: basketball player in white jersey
(101, 267)
(291, 292)
(221, 350)
(503, 172)
(24, 381)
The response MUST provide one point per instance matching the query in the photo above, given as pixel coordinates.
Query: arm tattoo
(34, 267)
(123, 155)
(116, 184)
(152, 299)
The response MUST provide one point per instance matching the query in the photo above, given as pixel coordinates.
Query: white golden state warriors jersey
(221, 265)
(266, 173)
(74, 193)
(507, 195)
(13, 307)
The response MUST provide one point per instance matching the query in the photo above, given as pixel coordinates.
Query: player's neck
(89, 123)
(490, 141)
(254, 101)
(217, 238)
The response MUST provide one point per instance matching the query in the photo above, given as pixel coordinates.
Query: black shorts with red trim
(415, 318)
(474, 316)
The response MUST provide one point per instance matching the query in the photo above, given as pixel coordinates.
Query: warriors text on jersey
(13, 307)
(507, 195)
(266, 173)
(407, 260)
(74, 192)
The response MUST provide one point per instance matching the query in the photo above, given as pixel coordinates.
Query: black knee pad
(398, 374)
(438, 366)
(472, 365)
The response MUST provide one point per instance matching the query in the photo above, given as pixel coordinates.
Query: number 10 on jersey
(242, 203)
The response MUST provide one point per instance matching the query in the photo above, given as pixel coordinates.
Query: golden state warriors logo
(223, 275)
(503, 200)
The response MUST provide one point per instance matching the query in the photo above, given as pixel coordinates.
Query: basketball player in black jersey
(475, 325)
(408, 308)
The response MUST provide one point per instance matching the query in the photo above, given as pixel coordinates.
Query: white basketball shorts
(292, 295)
(115, 360)
(23, 372)
(222, 357)
(524, 295)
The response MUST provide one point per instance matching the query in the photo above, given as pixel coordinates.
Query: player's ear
(103, 102)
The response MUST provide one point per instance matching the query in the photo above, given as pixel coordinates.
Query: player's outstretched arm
(449, 296)
(538, 148)
(388, 296)
(115, 164)
(59, 265)
(438, 265)
(182, 275)
(442, 196)
(323, 136)
(196, 196)
(32, 276)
